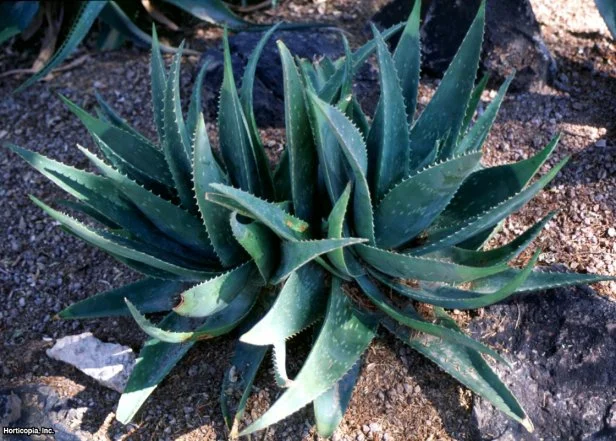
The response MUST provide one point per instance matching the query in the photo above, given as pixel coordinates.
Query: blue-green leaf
(259, 242)
(300, 143)
(82, 24)
(295, 254)
(407, 58)
(465, 365)
(149, 295)
(279, 221)
(345, 335)
(155, 361)
(214, 295)
(411, 206)
(421, 268)
(219, 323)
(388, 139)
(442, 118)
(215, 217)
(354, 149)
(455, 298)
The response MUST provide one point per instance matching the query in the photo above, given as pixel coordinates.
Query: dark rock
(512, 37)
(563, 347)
(10, 408)
(268, 91)
(42, 407)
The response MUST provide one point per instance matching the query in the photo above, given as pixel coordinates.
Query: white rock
(108, 363)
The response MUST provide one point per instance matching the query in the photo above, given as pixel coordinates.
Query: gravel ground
(399, 395)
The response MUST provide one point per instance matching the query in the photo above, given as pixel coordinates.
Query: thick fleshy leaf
(342, 340)
(412, 205)
(494, 256)
(196, 107)
(155, 361)
(246, 99)
(420, 268)
(214, 12)
(474, 139)
(335, 230)
(329, 408)
(215, 217)
(117, 245)
(169, 218)
(158, 83)
(443, 116)
(388, 139)
(413, 320)
(82, 24)
(537, 281)
(282, 178)
(465, 365)
(455, 298)
(300, 143)
(217, 324)
(461, 231)
(473, 104)
(359, 58)
(238, 150)
(259, 242)
(354, 149)
(298, 305)
(295, 254)
(407, 58)
(214, 295)
(176, 142)
(279, 221)
(113, 15)
(116, 119)
(130, 249)
(149, 295)
(237, 383)
(126, 148)
(504, 182)
(332, 165)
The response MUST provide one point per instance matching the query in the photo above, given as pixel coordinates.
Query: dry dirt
(400, 396)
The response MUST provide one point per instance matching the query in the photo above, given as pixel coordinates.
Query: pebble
(611, 232)
(601, 143)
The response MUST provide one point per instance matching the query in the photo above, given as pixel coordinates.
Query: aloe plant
(361, 220)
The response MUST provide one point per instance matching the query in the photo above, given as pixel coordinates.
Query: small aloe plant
(360, 221)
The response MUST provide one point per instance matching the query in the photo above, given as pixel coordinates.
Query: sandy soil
(400, 396)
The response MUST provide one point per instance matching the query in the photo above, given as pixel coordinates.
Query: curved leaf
(388, 138)
(215, 325)
(300, 303)
(295, 254)
(88, 12)
(259, 242)
(442, 118)
(279, 221)
(343, 338)
(215, 217)
(412, 205)
(421, 268)
(465, 365)
(214, 295)
(454, 298)
(149, 295)
(300, 143)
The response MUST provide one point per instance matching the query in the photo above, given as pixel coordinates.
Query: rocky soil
(400, 396)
